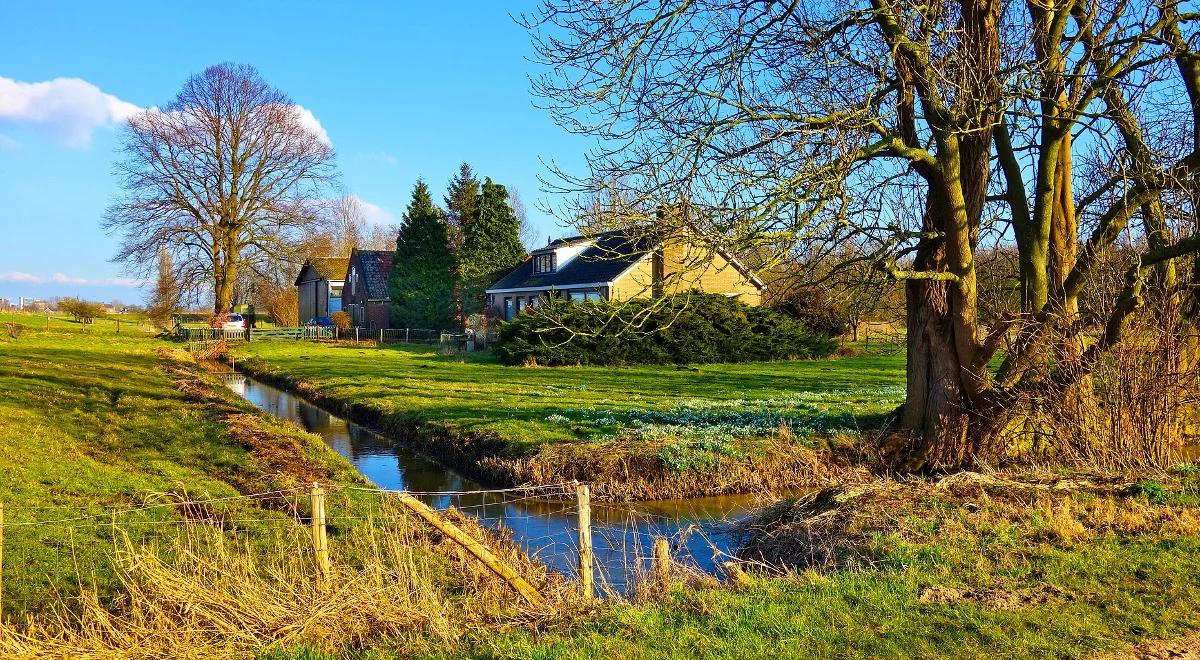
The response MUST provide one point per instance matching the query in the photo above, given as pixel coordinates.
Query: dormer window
(544, 263)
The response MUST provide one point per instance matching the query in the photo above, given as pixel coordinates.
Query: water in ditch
(545, 529)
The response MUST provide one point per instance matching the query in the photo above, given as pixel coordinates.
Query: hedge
(682, 329)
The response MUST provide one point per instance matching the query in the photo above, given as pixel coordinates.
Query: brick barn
(365, 294)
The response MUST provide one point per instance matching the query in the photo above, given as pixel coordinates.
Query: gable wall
(686, 268)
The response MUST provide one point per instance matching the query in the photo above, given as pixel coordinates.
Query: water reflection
(544, 528)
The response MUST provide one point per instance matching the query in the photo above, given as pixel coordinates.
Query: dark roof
(327, 268)
(375, 265)
(612, 254)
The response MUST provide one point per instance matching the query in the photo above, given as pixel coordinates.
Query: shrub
(341, 320)
(816, 310)
(681, 329)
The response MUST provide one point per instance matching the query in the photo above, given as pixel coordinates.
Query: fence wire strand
(51, 555)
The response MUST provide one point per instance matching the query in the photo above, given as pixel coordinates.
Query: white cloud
(60, 278)
(20, 277)
(309, 121)
(68, 109)
(71, 109)
(375, 214)
(63, 278)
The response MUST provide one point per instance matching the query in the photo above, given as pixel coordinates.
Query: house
(619, 265)
(319, 286)
(366, 291)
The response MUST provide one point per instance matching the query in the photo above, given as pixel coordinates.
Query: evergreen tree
(461, 194)
(421, 283)
(491, 245)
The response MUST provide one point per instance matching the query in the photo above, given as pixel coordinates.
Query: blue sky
(404, 90)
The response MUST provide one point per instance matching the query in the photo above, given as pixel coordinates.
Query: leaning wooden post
(518, 583)
(319, 538)
(583, 495)
(662, 562)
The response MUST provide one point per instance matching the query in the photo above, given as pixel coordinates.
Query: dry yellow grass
(205, 595)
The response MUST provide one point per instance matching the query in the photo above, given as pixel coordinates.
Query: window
(520, 304)
(544, 263)
(581, 296)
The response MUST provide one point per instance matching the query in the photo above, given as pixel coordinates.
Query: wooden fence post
(480, 551)
(662, 562)
(319, 539)
(583, 497)
(1, 564)
(406, 335)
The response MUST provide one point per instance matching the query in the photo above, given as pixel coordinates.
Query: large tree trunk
(224, 280)
(938, 427)
(937, 414)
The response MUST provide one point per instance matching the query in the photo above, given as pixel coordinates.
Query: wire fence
(55, 554)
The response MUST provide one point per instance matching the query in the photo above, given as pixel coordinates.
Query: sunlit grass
(90, 423)
(529, 407)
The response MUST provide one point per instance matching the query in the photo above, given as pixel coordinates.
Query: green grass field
(529, 407)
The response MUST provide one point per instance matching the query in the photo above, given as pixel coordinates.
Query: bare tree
(910, 130)
(278, 299)
(380, 237)
(168, 295)
(348, 224)
(528, 233)
(225, 178)
(343, 226)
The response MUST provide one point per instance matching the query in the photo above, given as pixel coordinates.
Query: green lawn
(529, 407)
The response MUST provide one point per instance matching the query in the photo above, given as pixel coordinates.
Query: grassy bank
(128, 532)
(94, 422)
(636, 432)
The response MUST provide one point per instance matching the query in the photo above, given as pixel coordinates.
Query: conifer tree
(421, 283)
(461, 194)
(491, 245)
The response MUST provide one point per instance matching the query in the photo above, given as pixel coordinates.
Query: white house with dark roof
(619, 265)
